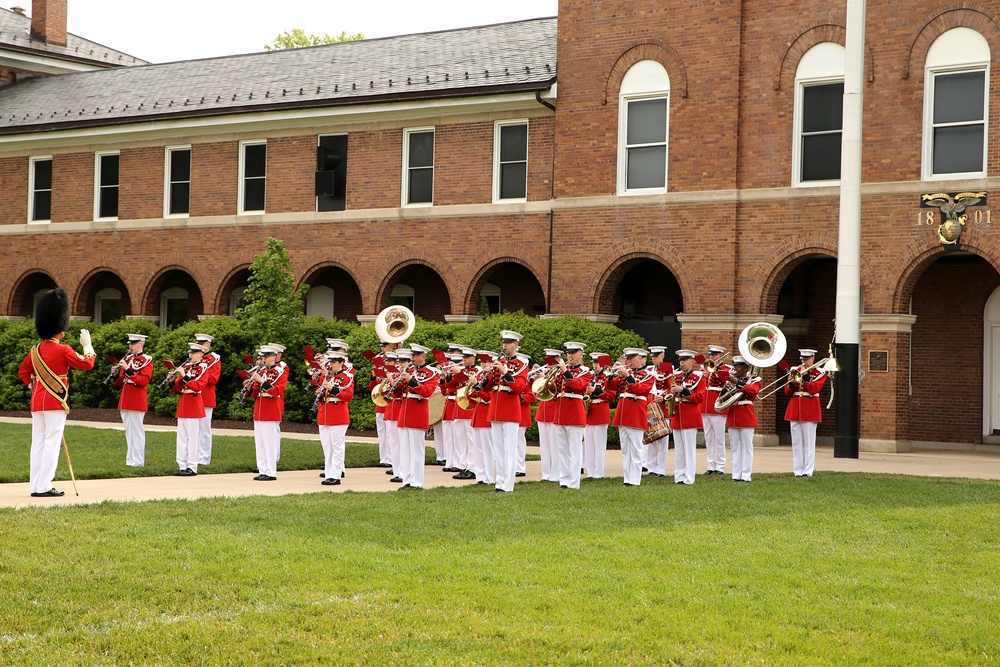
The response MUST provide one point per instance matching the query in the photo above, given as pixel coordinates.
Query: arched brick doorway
(174, 297)
(103, 297)
(418, 287)
(333, 292)
(506, 287)
(26, 292)
(646, 296)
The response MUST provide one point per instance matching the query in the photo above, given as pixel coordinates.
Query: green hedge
(233, 341)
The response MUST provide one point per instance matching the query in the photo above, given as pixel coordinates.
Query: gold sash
(50, 381)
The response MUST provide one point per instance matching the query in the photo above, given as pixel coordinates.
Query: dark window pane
(254, 160)
(493, 304)
(421, 186)
(43, 175)
(422, 149)
(513, 183)
(647, 122)
(253, 194)
(823, 108)
(42, 209)
(180, 198)
(513, 143)
(647, 167)
(821, 157)
(401, 301)
(177, 312)
(959, 97)
(109, 170)
(109, 203)
(111, 310)
(180, 165)
(958, 149)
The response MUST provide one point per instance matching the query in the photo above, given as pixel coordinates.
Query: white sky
(167, 31)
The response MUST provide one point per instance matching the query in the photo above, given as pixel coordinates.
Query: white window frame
(167, 295)
(235, 297)
(798, 119)
(97, 183)
(240, 210)
(402, 290)
(104, 295)
(167, 182)
(489, 289)
(931, 71)
(404, 195)
(31, 189)
(333, 301)
(496, 159)
(642, 82)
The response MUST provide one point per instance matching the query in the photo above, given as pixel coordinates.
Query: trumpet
(712, 366)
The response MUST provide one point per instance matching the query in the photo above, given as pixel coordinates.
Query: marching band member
(442, 430)
(656, 451)
(507, 380)
(547, 446)
(45, 370)
(214, 363)
(189, 381)
(633, 384)
(268, 392)
(335, 392)
(742, 419)
(689, 388)
(527, 398)
(338, 345)
(482, 432)
(715, 422)
(804, 413)
(570, 417)
(132, 375)
(449, 387)
(373, 381)
(280, 350)
(595, 438)
(399, 359)
(419, 382)
(464, 440)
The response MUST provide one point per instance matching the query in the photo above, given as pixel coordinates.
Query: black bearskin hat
(52, 313)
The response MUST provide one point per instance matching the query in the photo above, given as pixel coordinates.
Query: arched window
(643, 124)
(173, 307)
(402, 295)
(319, 301)
(107, 305)
(819, 115)
(236, 300)
(491, 294)
(956, 99)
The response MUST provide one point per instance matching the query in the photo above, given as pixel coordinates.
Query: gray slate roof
(495, 58)
(15, 32)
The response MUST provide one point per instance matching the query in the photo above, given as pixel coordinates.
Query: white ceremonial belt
(451, 398)
(507, 389)
(564, 395)
(189, 391)
(416, 397)
(595, 401)
(805, 394)
(716, 389)
(634, 396)
(744, 403)
(334, 400)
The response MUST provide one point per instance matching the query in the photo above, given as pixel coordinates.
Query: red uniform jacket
(449, 386)
(543, 415)
(376, 381)
(333, 410)
(600, 402)
(716, 382)
(414, 411)
(506, 390)
(527, 398)
(214, 363)
(189, 384)
(269, 403)
(482, 398)
(633, 397)
(689, 400)
(59, 358)
(133, 380)
(804, 405)
(569, 406)
(742, 415)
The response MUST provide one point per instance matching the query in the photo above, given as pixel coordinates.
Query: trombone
(796, 375)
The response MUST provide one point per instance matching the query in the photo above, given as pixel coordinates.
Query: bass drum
(658, 425)
(435, 408)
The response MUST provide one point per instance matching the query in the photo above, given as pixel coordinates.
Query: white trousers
(412, 454)
(685, 444)
(46, 437)
(439, 446)
(187, 442)
(205, 438)
(569, 443)
(741, 442)
(448, 433)
(483, 454)
(656, 455)
(595, 449)
(547, 450)
(267, 437)
(333, 439)
(522, 449)
(462, 443)
(803, 447)
(383, 444)
(392, 440)
(632, 448)
(715, 441)
(135, 437)
(504, 441)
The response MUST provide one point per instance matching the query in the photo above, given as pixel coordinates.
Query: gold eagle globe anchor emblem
(953, 209)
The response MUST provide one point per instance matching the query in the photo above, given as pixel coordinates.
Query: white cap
(805, 353)
(197, 347)
(716, 349)
(454, 358)
(454, 347)
(385, 342)
(740, 360)
(595, 355)
(267, 349)
(492, 355)
(404, 354)
(203, 338)
(335, 356)
(276, 347)
(657, 349)
(686, 354)
(634, 352)
(391, 354)
(468, 352)
(549, 352)
(506, 335)
(135, 338)
(419, 349)
(574, 347)
(337, 344)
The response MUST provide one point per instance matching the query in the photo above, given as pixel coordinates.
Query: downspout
(552, 185)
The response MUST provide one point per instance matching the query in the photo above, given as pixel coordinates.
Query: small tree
(272, 305)
(297, 38)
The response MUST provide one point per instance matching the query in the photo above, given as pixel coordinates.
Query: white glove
(88, 348)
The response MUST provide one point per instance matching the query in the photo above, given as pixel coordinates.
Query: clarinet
(114, 370)
(320, 391)
(244, 391)
(169, 377)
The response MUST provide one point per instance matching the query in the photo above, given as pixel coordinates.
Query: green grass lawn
(840, 569)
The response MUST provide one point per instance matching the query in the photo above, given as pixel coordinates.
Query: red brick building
(678, 174)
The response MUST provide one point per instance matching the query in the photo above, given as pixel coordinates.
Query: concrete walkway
(766, 460)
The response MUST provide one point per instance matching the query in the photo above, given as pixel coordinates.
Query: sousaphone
(395, 324)
(763, 345)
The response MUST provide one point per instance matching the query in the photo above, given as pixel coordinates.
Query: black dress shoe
(627, 484)
(465, 474)
(389, 472)
(187, 472)
(322, 474)
(330, 482)
(383, 465)
(438, 462)
(403, 488)
(181, 473)
(397, 480)
(520, 474)
(51, 493)
(449, 469)
(259, 478)
(563, 486)
(268, 478)
(480, 482)
(254, 470)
